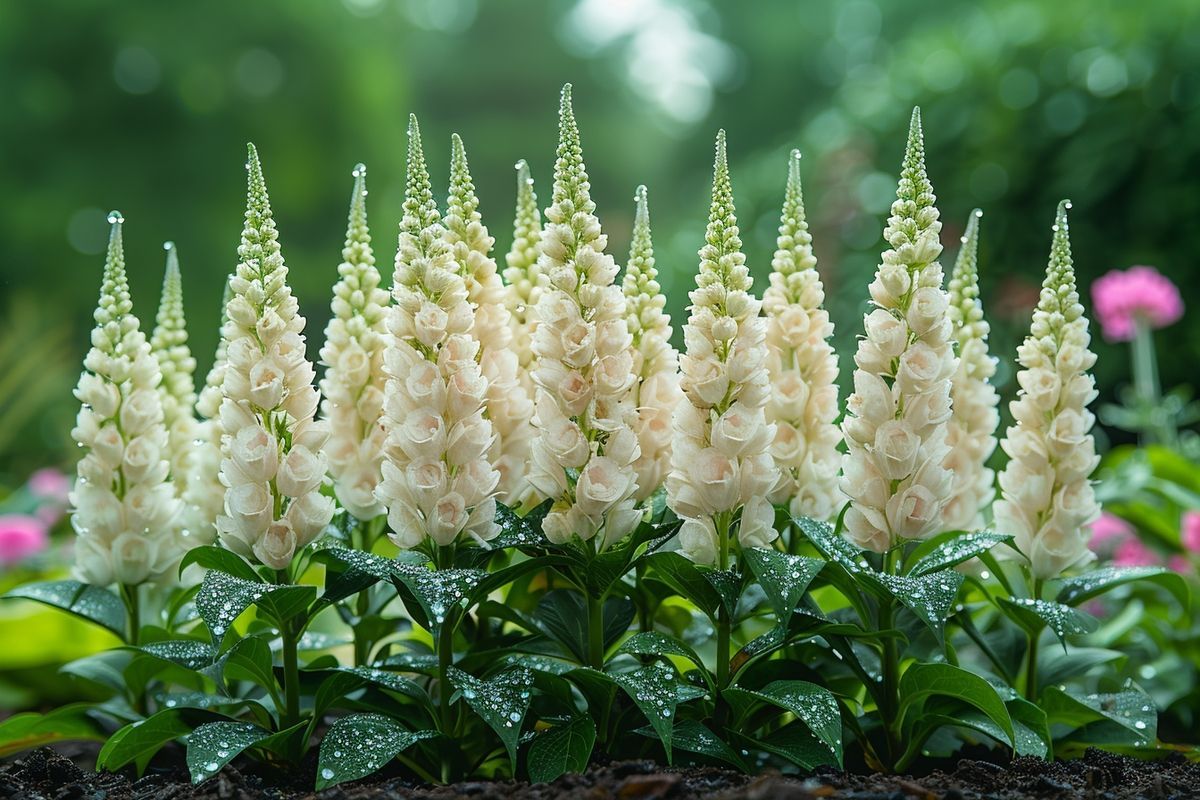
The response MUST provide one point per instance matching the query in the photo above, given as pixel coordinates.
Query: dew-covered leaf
(343, 680)
(922, 682)
(352, 570)
(439, 592)
(656, 691)
(1032, 615)
(519, 531)
(684, 577)
(424, 663)
(653, 643)
(836, 548)
(694, 737)
(796, 743)
(214, 744)
(26, 731)
(951, 549)
(566, 748)
(1080, 588)
(187, 653)
(728, 585)
(501, 702)
(783, 577)
(815, 706)
(929, 597)
(92, 603)
(1125, 717)
(220, 559)
(358, 745)
(138, 741)
(222, 599)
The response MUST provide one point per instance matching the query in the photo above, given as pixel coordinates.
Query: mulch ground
(49, 775)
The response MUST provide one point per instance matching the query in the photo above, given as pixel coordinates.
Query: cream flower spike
(802, 366)
(205, 494)
(585, 445)
(896, 419)
(655, 362)
(971, 435)
(720, 459)
(508, 405)
(124, 505)
(1047, 501)
(274, 462)
(352, 388)
(438, 483)
(523, 281)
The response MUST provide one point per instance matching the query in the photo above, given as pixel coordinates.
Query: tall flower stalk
(971, 434)
(1047, 502)
(802, 366)
(897, 417)
(124, 503)
(508, 406)
(523, 281)
(205, 493)
(355, 339)
(655, 392)
(721, 467)
(273, 449)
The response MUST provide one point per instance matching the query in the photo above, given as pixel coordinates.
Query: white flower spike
(1047, 501)
(585, 445)
(274, 462)
(205, 494)
(124, 505)
(438, 483)
(523, 282)
(895, 425)
(803, 367)
(355, 339)
(720, 461)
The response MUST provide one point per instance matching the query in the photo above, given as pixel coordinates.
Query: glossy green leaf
(26, 731)
(187, 653)
(694, 737)
(251, 660)
(1125, 717)
(784, 578)
(92, 603)
(1033, 615)
(501, 702)
(653, 643)
(220, 559)
(920, 682)
(1080, 588)
(222, 599)
(213, 745)
(656, 691)
(951, 549)
(684, 577)
(813, 705)
(930, 597)
(520, 531)
(440, 593)
(360, 744)
(137, 742)
(563, 749)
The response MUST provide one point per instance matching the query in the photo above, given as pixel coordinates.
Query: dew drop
(327, 773)
(115, 217)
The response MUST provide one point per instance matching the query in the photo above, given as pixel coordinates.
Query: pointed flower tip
(414, 127)
(977, 213)
(115, 218)
(1064, 206)
(915, 120)
(795, 154)
(566, 93)
(359, 171)
(521, 166)
(639, 194)
(456, 141)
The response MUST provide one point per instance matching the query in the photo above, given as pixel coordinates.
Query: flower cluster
(802, 367)
(1047, 501)
(508, 406)
(124, 503)
(273, 464)
(523, 281)
(721, 460)
(437, 480)
(585, 445)
(655, 362)
(1138, 295)
(971, 434)
(168, 343)
(353, 357)
(895, 425)
(205, 494)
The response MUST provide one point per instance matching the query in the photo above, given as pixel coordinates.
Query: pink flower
(1190, 531)
(50, 484)
(1132, 553)
(1108, 530)
(1121, 298)
(1180, 564)
(21, 536)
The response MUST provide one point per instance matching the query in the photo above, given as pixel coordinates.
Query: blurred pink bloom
(1190, 531)
(1108, 530)
(21, 536)
(1180, 564)
(1132, 553)
(1120, 298)
(50, 484)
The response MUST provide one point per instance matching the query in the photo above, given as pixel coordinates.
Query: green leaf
(783, 577)
(813, 705)
(501, 702)
(656, 691)
(694, 737)
(222, 599)
(517, 530)
(685, 578)
(357, 745)
(836, 548)
(1057, 667)
(213, 745)
(137, 742)
(1125, 717)
(1031, 728)
(26, 731)
(921, 682)
(187, 653)
(440, 593)
(92, 603)
(566, 748)
(929, 597)
(1033, 615)
(951, 549)
(797, 743)
(562, 615)
(220, 559)
(1081, 588)
(653, 643)
(105, 669)
(350, 571)
(251, 660)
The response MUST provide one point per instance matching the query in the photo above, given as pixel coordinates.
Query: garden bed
(50, 774)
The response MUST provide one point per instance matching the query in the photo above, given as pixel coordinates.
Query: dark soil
(49, 775)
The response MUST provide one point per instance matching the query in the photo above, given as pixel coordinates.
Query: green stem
(1031, 653)
(132, 596)
(1161, 429)
(890, 663)
(444, 645)
(724, 624)
(291, 665)
(362, 645)
(595, 609)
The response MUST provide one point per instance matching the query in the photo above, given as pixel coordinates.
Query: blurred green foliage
(146, 107)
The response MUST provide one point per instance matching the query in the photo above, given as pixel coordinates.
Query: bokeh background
(146, 107)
